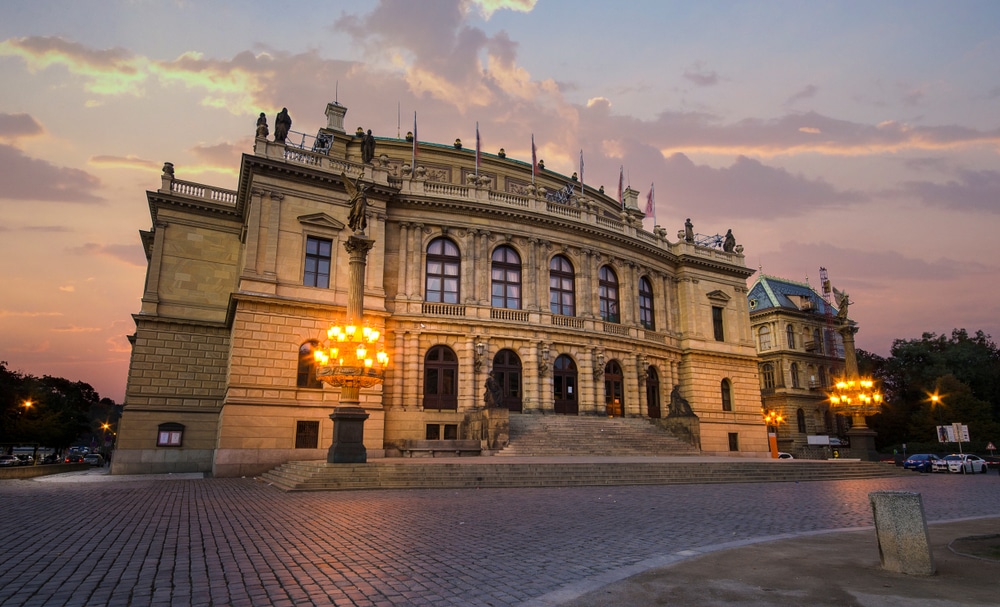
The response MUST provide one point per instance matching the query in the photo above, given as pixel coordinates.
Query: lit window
(169, 435)
(306, 377)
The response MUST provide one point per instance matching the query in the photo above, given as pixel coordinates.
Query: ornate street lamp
(772, 419)
(855, 395)
(353, 357)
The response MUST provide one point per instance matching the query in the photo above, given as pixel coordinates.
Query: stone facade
(800, 354)
(230, 307)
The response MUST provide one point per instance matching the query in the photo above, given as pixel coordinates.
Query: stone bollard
(903, 543)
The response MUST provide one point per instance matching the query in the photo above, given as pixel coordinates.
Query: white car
(965, 464)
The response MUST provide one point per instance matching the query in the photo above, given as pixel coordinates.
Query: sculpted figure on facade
(367, 148)
(282, 124)
(679, 406)
(262, 130)
(493, 395)
(358, 218)
(688, 230)
(730, 243)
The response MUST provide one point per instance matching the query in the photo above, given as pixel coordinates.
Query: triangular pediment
(718, 295)
(320, 220)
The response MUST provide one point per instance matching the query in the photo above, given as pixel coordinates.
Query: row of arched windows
(768, 378)
(441, 374)
(812, 341)
(442, 283)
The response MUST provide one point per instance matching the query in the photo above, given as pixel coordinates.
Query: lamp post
(772, 419)
(855, 395)
(352, 357)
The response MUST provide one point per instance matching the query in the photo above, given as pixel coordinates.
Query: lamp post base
(348, 436)
(863, 444)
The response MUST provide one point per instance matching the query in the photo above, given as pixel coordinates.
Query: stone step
(383, 474)
(553, 435)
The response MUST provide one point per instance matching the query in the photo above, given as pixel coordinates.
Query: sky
(858, 136)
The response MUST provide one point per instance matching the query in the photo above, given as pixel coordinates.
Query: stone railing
(570, 322)
(616, 329)
(507, 314)
(439, 309)
(654, 336)
(204, 192)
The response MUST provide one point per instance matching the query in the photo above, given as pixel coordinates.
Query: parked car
(73, 458)
(921, 462)
(965, 463)
(26, 459)
(9, 460)
(783, 455)
(94, 459)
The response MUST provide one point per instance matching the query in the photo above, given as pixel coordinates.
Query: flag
(581, 172)
(621, 186)
(413, 163)
(477, 147)
(534, 159)
(650, 205)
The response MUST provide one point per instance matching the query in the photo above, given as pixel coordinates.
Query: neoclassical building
(801, 353)
(556, 289)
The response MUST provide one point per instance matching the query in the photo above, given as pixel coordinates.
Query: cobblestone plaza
(153, 541)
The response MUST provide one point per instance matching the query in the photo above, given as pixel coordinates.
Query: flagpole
(477, 148)
(413, 161)
(534, 162)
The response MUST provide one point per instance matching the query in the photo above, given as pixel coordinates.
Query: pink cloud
(133, 255)
(14, 126)
(27, 178)
(970, 191)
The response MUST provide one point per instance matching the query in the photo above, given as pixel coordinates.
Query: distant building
(800, 354)
(556, 289)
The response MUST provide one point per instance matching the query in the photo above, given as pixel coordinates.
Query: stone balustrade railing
(204, 192)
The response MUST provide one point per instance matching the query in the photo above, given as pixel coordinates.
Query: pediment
(320, 220)
(717, 295)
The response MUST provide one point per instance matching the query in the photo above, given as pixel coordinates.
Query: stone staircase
(502, 472)
(559, 435)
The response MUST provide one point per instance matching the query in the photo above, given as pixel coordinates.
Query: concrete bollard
(901, 527)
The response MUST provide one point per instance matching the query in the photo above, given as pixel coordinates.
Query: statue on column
(688, 230)
(358, 218)
(282, 124)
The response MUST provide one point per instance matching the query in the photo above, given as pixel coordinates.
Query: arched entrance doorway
(614, 389)
(507, 372)
(564, 386)
(652, 393)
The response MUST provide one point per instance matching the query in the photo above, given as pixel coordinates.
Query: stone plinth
(903, 544)
(348, 436)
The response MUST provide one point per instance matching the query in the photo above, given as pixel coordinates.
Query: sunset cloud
(27, 178)
(701, 76)
(132, 255)
(123, 162)
(16, 126)
(970, 191)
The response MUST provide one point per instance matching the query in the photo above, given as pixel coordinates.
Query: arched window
(764, 338)
(614, 389)
(607, 287)
(767, 375)
(646, 304)
(506, 278)
(790, 334)
(564, 386)
(727, 395)
(443, 265)
(507, 372)
(440, 378)
(822, 377)
(818, 340)
(800, 417)
(795, 375)
(306, 377)
(561, 298)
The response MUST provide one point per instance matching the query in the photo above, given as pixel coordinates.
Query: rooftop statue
(367, 148)
(730, 243)
(262, 130)
(688, 230)
(282, 124)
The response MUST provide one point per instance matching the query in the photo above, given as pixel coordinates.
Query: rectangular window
(317, 266)
(169, 438)
(306, 435)
(433, 432)
(717, 323)
(450, 431)
(734, 441)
